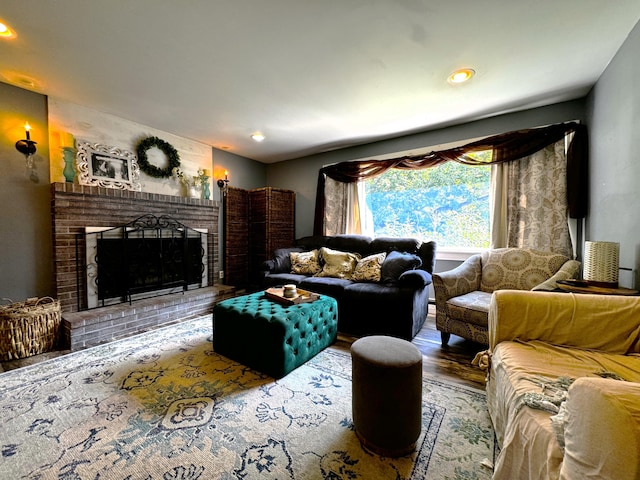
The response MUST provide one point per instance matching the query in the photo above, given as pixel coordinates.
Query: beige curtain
(346, 209)
(335, 221)
(498, 206)
(534, 190)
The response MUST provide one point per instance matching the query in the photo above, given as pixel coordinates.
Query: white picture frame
(104, 166)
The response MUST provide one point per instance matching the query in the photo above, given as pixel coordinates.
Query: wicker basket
(28, 328)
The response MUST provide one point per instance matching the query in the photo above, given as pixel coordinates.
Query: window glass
(448, 203)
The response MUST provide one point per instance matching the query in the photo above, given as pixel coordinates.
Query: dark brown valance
(506, 147)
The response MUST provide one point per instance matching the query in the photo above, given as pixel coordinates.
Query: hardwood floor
(453, 363)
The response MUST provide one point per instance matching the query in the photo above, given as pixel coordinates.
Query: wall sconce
(27, 146)
(223, 183)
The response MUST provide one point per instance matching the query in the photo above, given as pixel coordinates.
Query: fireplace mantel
(90, 190)
(75, 207)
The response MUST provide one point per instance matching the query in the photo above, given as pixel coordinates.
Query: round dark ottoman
(387, 394)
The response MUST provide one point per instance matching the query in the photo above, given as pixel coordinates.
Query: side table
(577, 287)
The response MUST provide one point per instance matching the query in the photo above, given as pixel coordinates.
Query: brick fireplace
(75, 207)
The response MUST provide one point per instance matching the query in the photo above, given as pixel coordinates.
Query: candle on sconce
(66, 140)
(226, 175)
(27, 128)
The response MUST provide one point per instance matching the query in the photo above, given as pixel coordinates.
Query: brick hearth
(100, 325)
(75, 207)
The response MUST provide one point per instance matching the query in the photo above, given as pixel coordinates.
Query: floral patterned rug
(163, 405)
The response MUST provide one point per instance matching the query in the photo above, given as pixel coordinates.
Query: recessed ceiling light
(461, 76)
(6, 32)
(258, 137)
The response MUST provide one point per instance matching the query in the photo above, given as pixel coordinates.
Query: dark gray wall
(613, 115)
(301, 174)
(26, 252)
(243, 172)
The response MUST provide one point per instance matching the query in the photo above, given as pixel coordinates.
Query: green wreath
(167, 149)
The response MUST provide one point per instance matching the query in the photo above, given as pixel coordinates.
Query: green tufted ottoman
(270, 337)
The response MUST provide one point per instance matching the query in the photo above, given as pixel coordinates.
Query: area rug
(163, 405)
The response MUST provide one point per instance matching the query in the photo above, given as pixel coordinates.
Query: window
(448, 203)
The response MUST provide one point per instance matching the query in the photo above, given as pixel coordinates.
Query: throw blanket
(552, 399)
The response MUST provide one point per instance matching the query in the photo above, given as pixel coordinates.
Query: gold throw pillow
(305, 263)
(337, 264)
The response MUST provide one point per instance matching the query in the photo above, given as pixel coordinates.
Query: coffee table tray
(303, 296)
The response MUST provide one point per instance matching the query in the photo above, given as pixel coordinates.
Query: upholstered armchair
(464, 293)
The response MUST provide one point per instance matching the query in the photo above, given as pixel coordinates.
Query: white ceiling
(312, 75)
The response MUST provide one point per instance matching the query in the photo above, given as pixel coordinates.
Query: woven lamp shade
(601, 263)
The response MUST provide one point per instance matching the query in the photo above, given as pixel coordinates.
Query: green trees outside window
(448, 204)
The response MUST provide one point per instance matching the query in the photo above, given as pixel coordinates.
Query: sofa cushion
(336, 263)
(279, 279)
(331, 286)
(390, 244)
(312, 242)
(472, 307)
(368, 269)
(396, 264)
(350, 243)
(375, 289)
(305, 263)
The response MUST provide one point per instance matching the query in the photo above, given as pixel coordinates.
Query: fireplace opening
(146, 257)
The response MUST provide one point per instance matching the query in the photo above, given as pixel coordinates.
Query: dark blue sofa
(395, 307)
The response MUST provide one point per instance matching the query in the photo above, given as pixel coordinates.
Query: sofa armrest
(567, 271)
(463, 279)
(607, 323)
(268, 266)
(602, 430)
(415, 278)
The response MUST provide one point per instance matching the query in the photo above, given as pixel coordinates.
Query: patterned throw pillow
(337, 264)
(305, 263)
(368, 269)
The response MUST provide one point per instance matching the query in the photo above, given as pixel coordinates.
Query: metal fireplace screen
(148, 256)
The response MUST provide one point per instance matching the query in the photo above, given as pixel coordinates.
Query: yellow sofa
(579, 355)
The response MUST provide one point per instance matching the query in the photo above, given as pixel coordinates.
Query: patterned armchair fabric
(464, 293)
